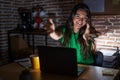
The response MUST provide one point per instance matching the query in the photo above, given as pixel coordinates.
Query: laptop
(59, 60)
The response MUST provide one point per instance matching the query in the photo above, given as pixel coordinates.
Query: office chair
(99, 59)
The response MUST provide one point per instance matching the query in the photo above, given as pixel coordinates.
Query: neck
(76, 31)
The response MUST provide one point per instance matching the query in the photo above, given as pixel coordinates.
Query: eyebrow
(81, 15)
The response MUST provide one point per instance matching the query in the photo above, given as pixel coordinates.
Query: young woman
(77, 33)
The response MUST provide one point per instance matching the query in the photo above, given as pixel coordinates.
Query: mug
(35, 61)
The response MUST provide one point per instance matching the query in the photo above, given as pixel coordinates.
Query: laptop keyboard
(80, 69)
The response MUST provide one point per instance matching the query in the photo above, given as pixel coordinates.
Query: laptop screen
(58, 60)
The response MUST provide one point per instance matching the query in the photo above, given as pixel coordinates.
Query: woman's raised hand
(52, 24)
(53, 34)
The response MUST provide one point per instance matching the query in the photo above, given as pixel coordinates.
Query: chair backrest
(99, 58)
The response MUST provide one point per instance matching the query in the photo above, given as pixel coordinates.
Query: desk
(13, 70)
(23, 32)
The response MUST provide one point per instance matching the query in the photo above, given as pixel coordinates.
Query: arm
(53, 34)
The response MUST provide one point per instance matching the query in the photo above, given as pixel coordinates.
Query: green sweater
(75, 44)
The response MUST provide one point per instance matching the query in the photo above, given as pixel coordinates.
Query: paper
(25, 62)
(108, 72)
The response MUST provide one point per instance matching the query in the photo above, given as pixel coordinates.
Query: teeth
(79, 23)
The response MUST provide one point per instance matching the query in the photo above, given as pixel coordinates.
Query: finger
(52, 26)
(88, 26)
(51, 21)
(87, 31)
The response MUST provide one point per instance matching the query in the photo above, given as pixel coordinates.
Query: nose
(82, 19)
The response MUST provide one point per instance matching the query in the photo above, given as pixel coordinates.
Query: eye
(77, 16)
(81, 17)
(85, 18)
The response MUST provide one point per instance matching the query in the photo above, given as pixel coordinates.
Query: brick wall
(8, 20)
(107, 24)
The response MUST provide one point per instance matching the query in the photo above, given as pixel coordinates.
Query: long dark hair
(69, 29)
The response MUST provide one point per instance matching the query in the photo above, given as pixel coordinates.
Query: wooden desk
(13, 70)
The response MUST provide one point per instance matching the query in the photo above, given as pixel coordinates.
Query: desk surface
(13, 70)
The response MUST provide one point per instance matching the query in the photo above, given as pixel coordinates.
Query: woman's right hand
(52, 24)
(53, 34)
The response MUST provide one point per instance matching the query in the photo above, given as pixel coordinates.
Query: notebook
(59, 60)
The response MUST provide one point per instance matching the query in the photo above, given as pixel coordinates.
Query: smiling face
(79, 20)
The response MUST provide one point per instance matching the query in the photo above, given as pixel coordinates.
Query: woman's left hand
(87, 34)
(87, 31)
